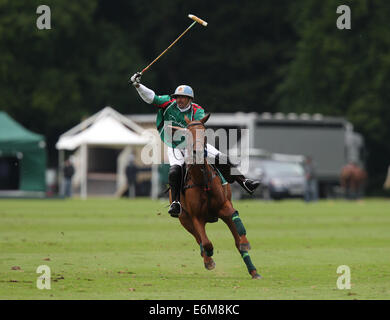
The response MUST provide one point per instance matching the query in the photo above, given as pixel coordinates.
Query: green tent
(22, 155)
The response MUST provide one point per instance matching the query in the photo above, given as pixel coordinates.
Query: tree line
(261, 56)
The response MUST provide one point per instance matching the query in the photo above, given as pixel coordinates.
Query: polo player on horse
(173, 108)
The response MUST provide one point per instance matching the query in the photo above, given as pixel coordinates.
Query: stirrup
(250, 191)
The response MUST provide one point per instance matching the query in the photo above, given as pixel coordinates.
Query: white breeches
(177, 156)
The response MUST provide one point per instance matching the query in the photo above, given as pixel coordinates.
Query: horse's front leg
(187, 223)
(206, 246)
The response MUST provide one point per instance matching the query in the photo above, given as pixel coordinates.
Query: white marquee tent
(107, 128)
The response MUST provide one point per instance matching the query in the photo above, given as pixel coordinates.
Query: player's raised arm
(145, 93)
(148, 95)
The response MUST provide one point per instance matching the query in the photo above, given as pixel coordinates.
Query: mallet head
(191, 16)
(195, 18)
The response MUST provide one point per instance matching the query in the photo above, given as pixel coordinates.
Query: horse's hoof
(245, 246)
(255, 275)
(209, 265)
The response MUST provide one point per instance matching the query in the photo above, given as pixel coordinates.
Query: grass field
(132, 249)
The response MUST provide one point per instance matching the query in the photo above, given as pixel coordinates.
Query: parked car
(279, 179)
(282, 179)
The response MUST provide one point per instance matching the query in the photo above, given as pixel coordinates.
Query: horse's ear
(205, 118)
(186, 119)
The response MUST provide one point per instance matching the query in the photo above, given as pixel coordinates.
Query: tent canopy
(107, 128)
(12, 133)
(29, 148)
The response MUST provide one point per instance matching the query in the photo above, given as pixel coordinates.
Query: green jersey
(169, 113)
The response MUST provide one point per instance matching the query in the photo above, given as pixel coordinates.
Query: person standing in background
(68, 174)
(131, 175)
(311, 189)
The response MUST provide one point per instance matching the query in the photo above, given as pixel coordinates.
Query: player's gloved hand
(136, 79)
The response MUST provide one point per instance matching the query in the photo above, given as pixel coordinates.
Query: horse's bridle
(196, 123)
(206, 179)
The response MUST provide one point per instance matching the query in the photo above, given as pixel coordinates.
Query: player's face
(182, 101)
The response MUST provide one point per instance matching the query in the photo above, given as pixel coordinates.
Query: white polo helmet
(184, 90)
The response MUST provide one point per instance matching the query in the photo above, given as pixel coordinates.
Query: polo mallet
(191, 16)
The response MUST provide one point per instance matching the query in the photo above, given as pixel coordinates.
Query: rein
(206, 179)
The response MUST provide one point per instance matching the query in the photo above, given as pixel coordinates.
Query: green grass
(132, 249)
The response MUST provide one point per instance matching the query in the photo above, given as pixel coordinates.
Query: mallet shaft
(162, 53)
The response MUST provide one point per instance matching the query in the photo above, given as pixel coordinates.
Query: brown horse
(352, 179)
(204, 199)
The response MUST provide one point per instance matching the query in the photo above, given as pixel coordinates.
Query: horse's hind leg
(238, 231)
(244, 242)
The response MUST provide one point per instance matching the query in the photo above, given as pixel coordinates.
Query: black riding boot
(224, 165)
(174, 179)
(248, 184)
